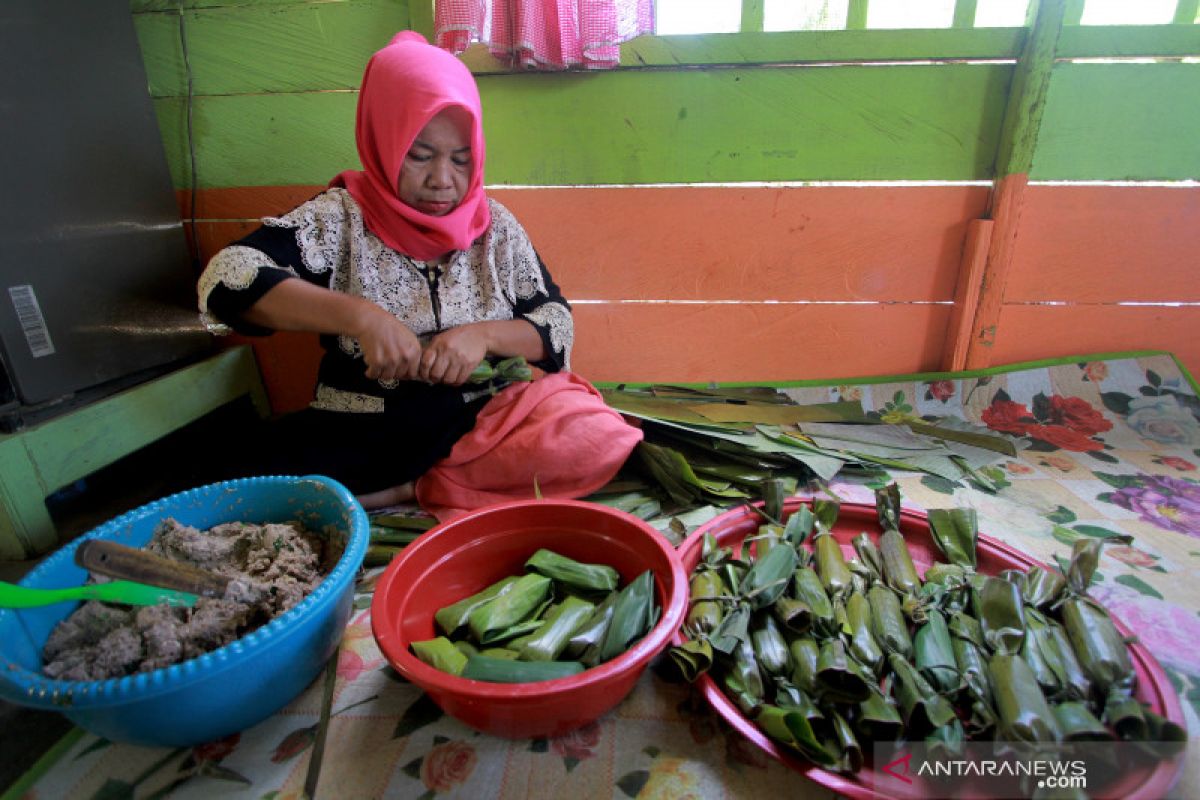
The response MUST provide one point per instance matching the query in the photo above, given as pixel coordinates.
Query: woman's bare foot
(387, 497)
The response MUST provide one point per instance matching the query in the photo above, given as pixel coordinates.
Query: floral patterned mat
(1109, 447)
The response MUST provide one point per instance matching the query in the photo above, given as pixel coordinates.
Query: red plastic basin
(466, 555)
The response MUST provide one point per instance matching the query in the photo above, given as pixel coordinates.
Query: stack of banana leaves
(828, 655)
(557, 619)
(715, 448)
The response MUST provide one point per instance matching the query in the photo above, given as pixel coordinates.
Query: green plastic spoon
(128, 592)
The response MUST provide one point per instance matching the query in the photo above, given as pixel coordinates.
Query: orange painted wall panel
(884, 243)
(1034, 332)
(755, 342)
(1107, 244)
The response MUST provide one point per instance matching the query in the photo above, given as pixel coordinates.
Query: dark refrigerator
(96, 282)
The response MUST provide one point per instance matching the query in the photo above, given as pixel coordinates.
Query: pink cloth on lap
(556, 430)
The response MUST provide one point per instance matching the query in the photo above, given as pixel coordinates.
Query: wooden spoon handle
(129, 563)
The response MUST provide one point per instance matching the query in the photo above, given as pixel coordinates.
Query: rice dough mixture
(273, 567)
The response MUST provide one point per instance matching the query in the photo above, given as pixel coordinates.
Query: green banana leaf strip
(869, 556)
(746, 680)
(1022, 710)
(793, 729)
(569, 572)
(440, 653)
(779, 414)
(453, 617)
(934, 653)
(807, 587)
(1039, 653)
(946, 742)
(770, 648)
(503, 670)
(887, 507)
(519, 630)
(806, 655)
(878, 719)
(509, 607)
(794, 615)
(888, 622)
(497, 652)
(839, 677)
(693, 658)
(954, 531)
(1125, 715)
(1042, 588)
(633, 616)
(850, 755)
(1099, 646)
(1170, 738)
(898, 569)
(1078, 724)
(734, 628)
(1000, 612)
(767, 579)
(1085, 556)
(1075, 683)
(923, 709)
(863, 646)
(998, 444)
(591, 633)
(708, 595)
(831, 565)
(561, 622)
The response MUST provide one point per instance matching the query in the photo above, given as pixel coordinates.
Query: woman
(413, 276)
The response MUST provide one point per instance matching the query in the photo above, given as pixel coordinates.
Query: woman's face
(437, 168)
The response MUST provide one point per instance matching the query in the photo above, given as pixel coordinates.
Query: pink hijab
(404, 86)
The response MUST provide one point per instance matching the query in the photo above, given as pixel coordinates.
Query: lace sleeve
(234, 280)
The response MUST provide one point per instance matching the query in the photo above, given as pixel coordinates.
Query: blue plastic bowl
(223, 691)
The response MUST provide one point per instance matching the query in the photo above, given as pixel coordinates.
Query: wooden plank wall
(743, 221)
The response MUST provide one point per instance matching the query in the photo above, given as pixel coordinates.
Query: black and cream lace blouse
(325, 242)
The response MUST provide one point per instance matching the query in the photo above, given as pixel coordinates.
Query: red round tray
(729, 529)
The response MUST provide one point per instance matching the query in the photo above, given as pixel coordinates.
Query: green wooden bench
(39, 460)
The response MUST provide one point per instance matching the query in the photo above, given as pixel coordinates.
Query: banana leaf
(878, 719)
(998, 444)
(793, 614)
(708, 594)
(954, 531)
(744, 682)
(773, 493)
(380, 534)
(766, 539)
(946, 742)
(503, 670)
(808, 589)
(789, 697)
(770, 648)
(440, 653)
(791, 728)
(845, 744)
(1076, 685)
(923, 709)
(591, 633)
(452, 617)
(465, 647)
(1085, 556)
(887, 507)
(869, 556)
(1170, 738)
(806, 655)
(825, 514)
(831, 565)
(767, 579)
(1024, 715)
(633, 616)
(898, 569)
(1001, 613)
(1042, 588)
(799, 525)
(1078, 724)
(888, 623)
(403, 522)
(1125, 715)
(670, 469)
(574, 574)
(776, 414)
(862, 642)
(693, 658)
(1099, 647)
(934, 654)
(520, 629)
(380, 555)
(509, 607)
(839, 677)
(734, 628)
(561, 622)
(1039, 653)
(966, 639)
(498, 652)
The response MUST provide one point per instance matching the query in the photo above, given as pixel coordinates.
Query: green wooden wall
(273, 97)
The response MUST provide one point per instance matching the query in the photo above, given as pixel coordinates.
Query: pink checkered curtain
(544, 34)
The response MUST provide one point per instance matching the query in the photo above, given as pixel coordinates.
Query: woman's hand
(452, 355)
(390, 350)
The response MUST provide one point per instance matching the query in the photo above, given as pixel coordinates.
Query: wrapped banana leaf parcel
(557, 619)
(829, 654)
